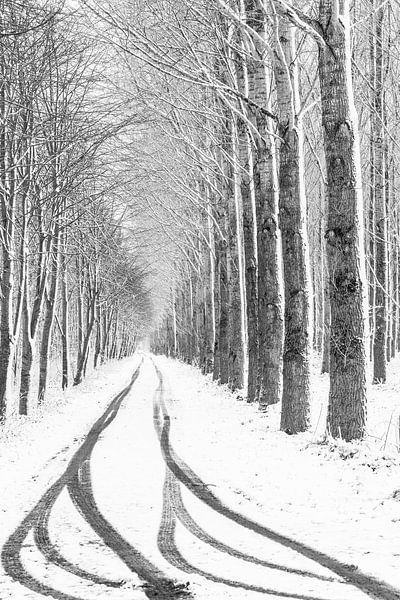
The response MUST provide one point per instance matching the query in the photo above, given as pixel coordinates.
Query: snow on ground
(337, 498)
(34, 452)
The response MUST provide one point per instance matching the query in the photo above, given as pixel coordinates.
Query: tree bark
(210, 296)
(380, 215)
(269, 258)
(293, 222)
(65, 315)
(222, 325)
(50, 307)
(92, 283)
(27, 356)
(345, 233)
(327, 323)
(99, 334)
(7, 232)
(249, 230)
(235, 301)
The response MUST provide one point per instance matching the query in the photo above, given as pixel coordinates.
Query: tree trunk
(326, 309)
(50, 306)
(396, 295)
(31, 317)
(345, 233)
(27, 356)
(217, 303)
(293, 222)
(269, 259)
(235, 303)
(209, 326)
(99, 333)
(327, 323)
(222, 324)
(7, 232)
(81, 275)
(380, 221)
(65, 316)
(210, 296)
(81, 366)
(249, 233)
(107, 323)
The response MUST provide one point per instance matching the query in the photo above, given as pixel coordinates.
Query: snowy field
(338, 499)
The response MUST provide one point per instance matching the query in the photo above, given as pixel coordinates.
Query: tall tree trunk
(174, 326)
(269, 259)
(113, 348)
(7, 341)
(209, 311)
(107, 323)
(191, 324)
(327, 321)
(217, 302)
(50, 307)
(99, 334)
(380, 222)
(90, 320)
(249, 229)
(222, 325)
(31, 316)
(27, 355)
(396, 295)
(64, 314)
(81, 277)
(371, 249)
(7, 232)
(345, 233)
(210, 299)
(326, 308)
(235, 300)
(293, 222)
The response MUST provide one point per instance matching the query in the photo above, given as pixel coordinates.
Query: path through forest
(135, 515)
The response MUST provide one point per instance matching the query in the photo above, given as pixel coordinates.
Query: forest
(220, 176)
(199, 299)
(291, 125)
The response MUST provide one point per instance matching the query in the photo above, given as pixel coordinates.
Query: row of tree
(213, 151)
(262, 104)
(71, 288)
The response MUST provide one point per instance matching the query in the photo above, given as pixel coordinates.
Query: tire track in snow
(37, 522)
(173, 509)
(370, 585)
(53, 555)
(170, 551)
(157, 584)
(189, 523)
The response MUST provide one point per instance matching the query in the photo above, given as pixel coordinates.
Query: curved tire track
(371, 586)
(169, 549)
(190, 524)
(54, 556)
(155, 583)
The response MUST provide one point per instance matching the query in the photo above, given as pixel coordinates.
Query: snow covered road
(128, 517)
